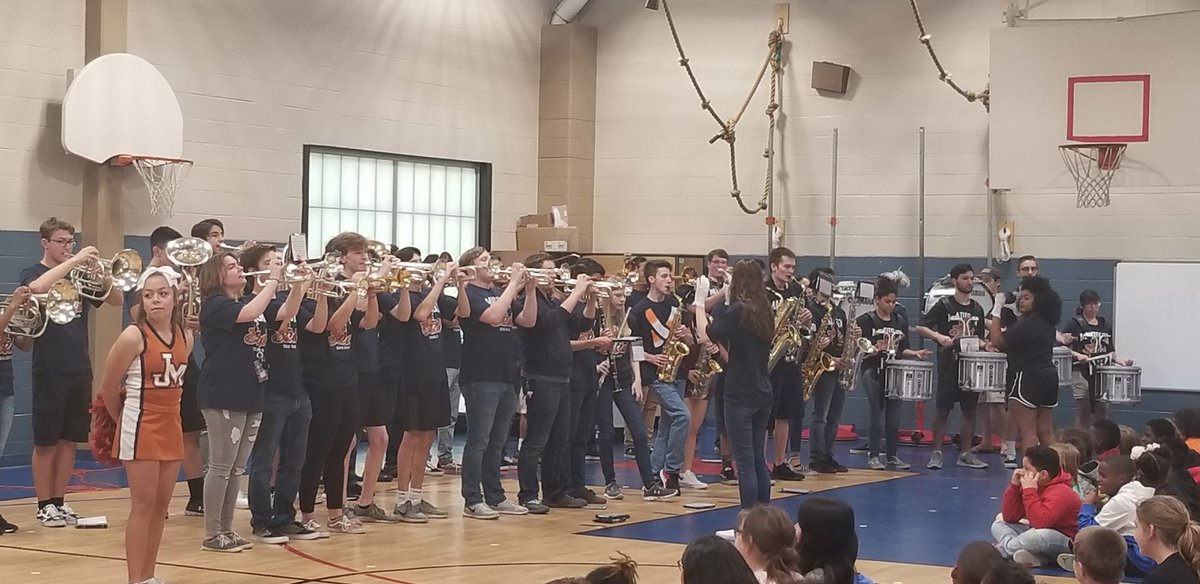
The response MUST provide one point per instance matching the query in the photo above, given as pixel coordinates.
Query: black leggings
(334, 422)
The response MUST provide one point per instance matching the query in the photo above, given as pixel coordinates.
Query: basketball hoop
(1093, 166)
(161, 175)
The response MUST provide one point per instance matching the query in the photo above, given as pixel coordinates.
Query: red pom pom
(104, 431)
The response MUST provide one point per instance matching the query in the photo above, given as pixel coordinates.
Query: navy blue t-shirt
(547, 346)
(451, 333)
(63, 348)
(326, 359)
(648, 320)
(486, 348)
(236, 351)
(746, 377)
(6, 367)
(366, 346)
(391, 337)
(424, 349)
(283, 353)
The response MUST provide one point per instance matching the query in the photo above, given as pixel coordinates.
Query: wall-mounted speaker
(830, 77)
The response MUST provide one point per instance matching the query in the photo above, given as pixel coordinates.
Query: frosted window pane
(331, 225)
(470, 190)
(314, 179)
(454, 190)
(349, 221)
(469, 237)
(404, 230)
(421, 189)
(437, 189)
(349, 192)
(366, 183)
(383, 228)
(366, 224)
(420, 236)
(331, 180)
(404, 186)
(453, 238)
(314, 228)
(385, 194)
(437, 234)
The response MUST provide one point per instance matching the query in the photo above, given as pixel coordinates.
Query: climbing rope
(971, 96)
(774, 62)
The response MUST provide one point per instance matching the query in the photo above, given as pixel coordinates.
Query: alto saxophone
(817, 362)
(787, 337)
(673, 348)
(850, 351)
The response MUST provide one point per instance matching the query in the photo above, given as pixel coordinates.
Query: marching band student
(211, 230)
(651, 320)
(586, 340)
(788, 396)
(636, 267)
(7, 395)
(950, 319)
(1087, 321)
(993, 417)
(827, 397)
(489, 378)
(1032, 379)
(889, 335)
(147, 364)
(391, 346)
(286, 414)
(696, 398)
(62, 375)
(330, 377)
(231, 387)
(444, 445)
(547, 351)
(424, 398)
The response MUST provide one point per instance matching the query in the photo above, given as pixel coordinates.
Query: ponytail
(781, 567)
(622, 570)
(1189, 545)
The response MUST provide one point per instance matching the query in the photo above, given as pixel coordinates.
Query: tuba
(817, 362)
(673, 348)
(189, 253)
(57, 305)
(96, 278)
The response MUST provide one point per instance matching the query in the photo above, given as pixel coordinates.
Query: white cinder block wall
(653, 161)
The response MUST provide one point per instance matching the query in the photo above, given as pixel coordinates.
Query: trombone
(97, 277)
(57, 305)
(188, 253)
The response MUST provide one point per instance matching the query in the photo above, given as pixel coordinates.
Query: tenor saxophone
(673, 349)
(850, 351)
(817, 362)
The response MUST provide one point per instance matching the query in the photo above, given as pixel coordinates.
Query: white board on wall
(1149, 328)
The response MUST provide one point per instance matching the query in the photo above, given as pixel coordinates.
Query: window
(435, 205)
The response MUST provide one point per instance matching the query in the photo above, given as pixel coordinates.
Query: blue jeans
(445, 434)
(284, 428)
(635, 426)
(490, 409)
(1046, 544)
(583, 429)
(746, 426)
(8, 405)
(885, 413)
(827, 399)
(547, 433)
(671, 437)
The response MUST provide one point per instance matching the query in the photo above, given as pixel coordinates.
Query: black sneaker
(783, 472)
(269, 536)
(298, 532)
(387, 477)
(823, 467)
(194, 509)
(728, 476)
(672, 482)
(353, 490)
(566, 502)
(536, 507)
(629, 452)
(837, 466)
(863, 448)
(6, 527)
(593, 500)
(657, 492)
(508, 462)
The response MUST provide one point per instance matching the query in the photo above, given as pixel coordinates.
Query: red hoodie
(1054, 505)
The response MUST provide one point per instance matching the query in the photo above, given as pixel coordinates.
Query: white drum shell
(1119, 385)
(908, 380)
(982, 371)
(1062, 362)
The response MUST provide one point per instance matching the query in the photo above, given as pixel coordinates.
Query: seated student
(827, 543)
(622, 570)
(765, 537)
(1129, 439)
(1166, 534)
(1009, 573)
(974, 562)
(1099, 556)
(1089, 472)
(1106, 438)
(1164, 469)
(1158, 430)
(1068, 455)
(1124, 492)
(712, 560)
(1187, 420)
(1041, 493)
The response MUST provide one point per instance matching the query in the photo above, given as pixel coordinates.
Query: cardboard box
(538, 220)
(547, 238)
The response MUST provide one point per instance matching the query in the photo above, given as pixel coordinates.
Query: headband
(1138, 451)
(165, 271)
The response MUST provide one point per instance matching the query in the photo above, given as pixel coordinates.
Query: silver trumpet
(551, 276)
(188, 253)
(57, 306)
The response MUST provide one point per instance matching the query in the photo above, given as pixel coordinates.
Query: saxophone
(673, 348)
(817, 362)
(851, 351)
(786, 338)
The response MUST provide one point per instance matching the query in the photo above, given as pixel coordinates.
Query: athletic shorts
(376, 399)
(189, 408)
(949, 392)
(787, 390)
(61, 408)
(1034, 389)
(424, 406)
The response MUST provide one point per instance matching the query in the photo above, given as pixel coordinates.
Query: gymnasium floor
(910, 525)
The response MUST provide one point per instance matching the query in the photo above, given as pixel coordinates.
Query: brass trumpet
(57, 305)
(188, 253)
(97, 277)
(550, 276)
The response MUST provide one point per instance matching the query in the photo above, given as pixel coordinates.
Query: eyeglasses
(63, 242)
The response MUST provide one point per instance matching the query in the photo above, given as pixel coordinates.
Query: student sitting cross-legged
(1119, 513)
(1041, 492)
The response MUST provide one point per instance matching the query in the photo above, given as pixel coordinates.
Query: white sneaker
(243, 502)
(315, 526)
(727, 534)
(688, 480)
(50, 516)
(71, 516)
(480, 511)
(345, 524)
(507, 507)
(1029, 559)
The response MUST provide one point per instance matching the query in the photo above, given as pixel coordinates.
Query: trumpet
(188, 253)
(292, 274)
(550, 276)
(97, 277)
(57, 306)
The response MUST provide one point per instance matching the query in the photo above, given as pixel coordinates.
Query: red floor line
(339, 566)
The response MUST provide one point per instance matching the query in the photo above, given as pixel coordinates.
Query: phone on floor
(794, 491)
(611, 517)
(699, 505)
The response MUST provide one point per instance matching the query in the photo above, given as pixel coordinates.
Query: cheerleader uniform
(150, 427)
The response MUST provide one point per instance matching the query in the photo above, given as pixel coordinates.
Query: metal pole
(921, 215)
(989, 229)
(833, 205)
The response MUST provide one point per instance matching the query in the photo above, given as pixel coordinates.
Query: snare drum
(1119, 385)
(982, 371)
(908, 380)
(1062, 362)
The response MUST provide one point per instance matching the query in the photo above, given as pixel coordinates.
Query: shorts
(376, 399)
(1034, 389)
(788, 392)
(61, 408)
(424, 406)
(949, 392)
(189, 408)
(1080, 386)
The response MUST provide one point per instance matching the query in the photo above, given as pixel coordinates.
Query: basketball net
(161, 176)
(1093, 166)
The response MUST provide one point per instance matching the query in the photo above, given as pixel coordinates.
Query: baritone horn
(57, 305)
(97, 277)
(188, 253)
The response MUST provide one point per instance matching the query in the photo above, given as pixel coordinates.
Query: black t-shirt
(836, 330)
(635, 297)
(63, 348)
(877, 329)
(282, 351)
(391, 336)
(746, 378)
(452, 337)
(424, 349)
(1079, 325)
(1173, 570)
(487, 349)
(547, 346)
(236, 354)
(6, 366)
(1029, 344)
(327, 359)
(583, 362)
(950, 318)
(648, 320)
(776, 294)
(366, 345)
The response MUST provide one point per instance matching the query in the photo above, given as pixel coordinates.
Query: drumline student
(827, 396)
(1087, 321)
(788, 396)
(1032, 378)
(948, 320)
(696, 399)
(993, 417)
(147, 363)
(586, 340)
(889, 335)
(62, 374)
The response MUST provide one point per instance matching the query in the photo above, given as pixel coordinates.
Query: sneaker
(593, 500)
(672, 482)
(896, 463)
(433, 470)
(245, 543)
(243, 502)
(567, 502)
(221, 543)
(194, 509)
(783, 472)
(613, 492)
(71, 516)
(1010, 461)
(824, 467)
(270, 536)
(728, 476)
(837, 466)
(480, 511)
(657, 492)
(295, 531)
(353, 491)
(50, 516)
(320, 498)
(507, 507)
(344, 525)
(373, 513)
(861, 449)
(935, 460)
(727, 534)
(6, 527)
(803, 469)
(409, 513)
(874, 463)
(430, 510)
(386, 476)
(315, 526)
(508, 462)
(689, 480)
(452, 468)
(535, 507)
(1066, 562)
(969, 460)
(629, 452)
(1028, 559)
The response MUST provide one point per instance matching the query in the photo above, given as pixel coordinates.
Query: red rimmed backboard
(1108, 108)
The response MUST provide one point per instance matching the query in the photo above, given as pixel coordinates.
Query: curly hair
(1046, 302)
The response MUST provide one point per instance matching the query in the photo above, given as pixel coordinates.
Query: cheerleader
(1032, 377)
(147, 364)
